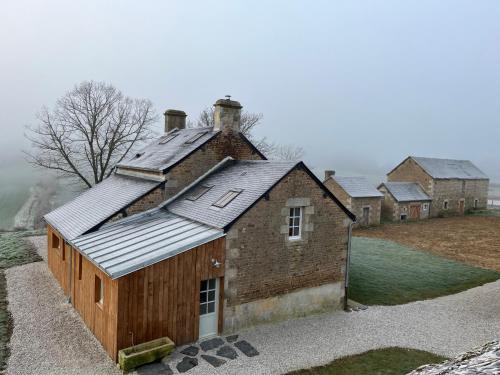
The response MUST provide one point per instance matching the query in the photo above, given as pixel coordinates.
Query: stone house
(455, 186)
(358, 195)
(241, 242)
(404, 201)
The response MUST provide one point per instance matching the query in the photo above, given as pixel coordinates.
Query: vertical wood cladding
(163, 299)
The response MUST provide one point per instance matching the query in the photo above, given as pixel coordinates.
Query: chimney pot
(174, 119)
(329, 173)
(227, 115)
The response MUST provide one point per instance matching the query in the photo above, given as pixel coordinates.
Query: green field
(386, 273)
(14, 251)
(389, 361)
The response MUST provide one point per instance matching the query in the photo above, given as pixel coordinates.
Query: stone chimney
(174, 119)
(227, 115)
(328, 174)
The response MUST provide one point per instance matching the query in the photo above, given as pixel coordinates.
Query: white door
(209, 307)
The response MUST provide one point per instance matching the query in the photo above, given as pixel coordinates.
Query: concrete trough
(147, 352)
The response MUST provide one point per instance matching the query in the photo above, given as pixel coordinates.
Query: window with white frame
(425, 206)
(295, 223)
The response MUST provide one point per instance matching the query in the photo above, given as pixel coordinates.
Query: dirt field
(471, 239)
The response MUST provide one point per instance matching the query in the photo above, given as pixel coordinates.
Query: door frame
(217, 311)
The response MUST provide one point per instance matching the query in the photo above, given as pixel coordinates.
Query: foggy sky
(358, 84)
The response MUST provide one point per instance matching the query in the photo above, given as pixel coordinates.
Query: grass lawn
(14, 251)
(495, 212)
(385, 273)
(389, 361)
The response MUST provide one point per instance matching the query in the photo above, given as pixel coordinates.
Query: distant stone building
(358, 195)
(455, 186)
(404, 201)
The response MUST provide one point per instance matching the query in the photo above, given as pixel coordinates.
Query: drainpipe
(70, 273)
(348, 262)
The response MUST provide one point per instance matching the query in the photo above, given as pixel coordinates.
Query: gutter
(348, 262)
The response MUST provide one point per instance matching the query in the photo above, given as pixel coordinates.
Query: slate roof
(449, 168)
(357, 187)
(141, 240)
(97, 204)
(406, 191)
(158, 156)
(251, 178)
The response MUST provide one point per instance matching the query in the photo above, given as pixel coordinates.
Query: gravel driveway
(49, 336)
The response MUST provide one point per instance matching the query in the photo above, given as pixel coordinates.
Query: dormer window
(198, 192)
(195, 137)
(227, 198)
(168, 138)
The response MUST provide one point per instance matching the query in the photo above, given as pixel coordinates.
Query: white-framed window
(445, 205)
(425, 206)
(476, 203)
(295, 223)
(403, 217)
(208, 298)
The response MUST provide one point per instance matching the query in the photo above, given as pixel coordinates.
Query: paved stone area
(50, 338)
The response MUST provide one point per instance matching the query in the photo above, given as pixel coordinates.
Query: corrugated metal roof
(449, 168)
(357, 187)
(252, 177)
(97, 204)
(162, 153)
(141, 240)
(406, 191)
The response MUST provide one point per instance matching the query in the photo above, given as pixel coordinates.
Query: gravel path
(49, 337)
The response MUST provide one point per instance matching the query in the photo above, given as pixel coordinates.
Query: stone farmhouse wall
(451, 190)
(192, 167)
(270, 277)
(392, 210)
(356, 205)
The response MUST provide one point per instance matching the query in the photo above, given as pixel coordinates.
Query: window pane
(211, 295)
(211, 284)
(296, 222)
(203, 285)
(291, 221)
(203, 297)
(203, 309)
(295, 231)
(290, 231)
(211, 307)
(292, 211)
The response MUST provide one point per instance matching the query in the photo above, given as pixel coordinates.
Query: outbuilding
(404, 201)
(358, 195)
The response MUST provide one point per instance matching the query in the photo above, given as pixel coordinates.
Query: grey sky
(358, 84)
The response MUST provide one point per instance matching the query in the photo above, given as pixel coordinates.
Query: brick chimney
(227, 115)
(329, 173)
(174, 119)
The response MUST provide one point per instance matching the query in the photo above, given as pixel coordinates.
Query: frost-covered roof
(357, 187)
(449, 168)
(406, 191)
(169, 149)
(141, 240)
(249, 179)
(97, 204)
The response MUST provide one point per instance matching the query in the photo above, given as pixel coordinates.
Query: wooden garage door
(415, 211)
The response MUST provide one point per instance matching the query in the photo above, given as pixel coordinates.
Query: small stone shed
(358, 195)
(404, 201)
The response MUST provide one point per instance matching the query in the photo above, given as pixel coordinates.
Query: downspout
(70, 273)
(348, 262)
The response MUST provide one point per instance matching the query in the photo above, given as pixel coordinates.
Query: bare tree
(91, 129)
(248, 122)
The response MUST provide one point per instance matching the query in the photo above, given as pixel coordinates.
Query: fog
(358, 84)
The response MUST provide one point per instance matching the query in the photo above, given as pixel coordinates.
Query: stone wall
(392, 210)
(269, 276)
(191, 168)
(455, 191)
(339, 192)
(409, 171)
(440, 190)
(375, 206)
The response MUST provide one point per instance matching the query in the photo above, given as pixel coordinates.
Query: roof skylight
(195, 137)
(168, 138)
(227, 198)
(198, 192)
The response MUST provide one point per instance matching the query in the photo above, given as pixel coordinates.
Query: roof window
(195, 137)
(227, 198)
(198, 192)
(168, 138)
